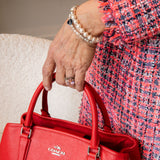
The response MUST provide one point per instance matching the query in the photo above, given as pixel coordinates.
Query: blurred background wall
(40, 18)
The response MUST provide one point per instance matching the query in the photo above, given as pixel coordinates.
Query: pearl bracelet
(77, 28)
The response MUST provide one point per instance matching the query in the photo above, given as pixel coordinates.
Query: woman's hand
(69, 54)
(71, 57)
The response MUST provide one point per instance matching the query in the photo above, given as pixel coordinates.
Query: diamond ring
(69, 81)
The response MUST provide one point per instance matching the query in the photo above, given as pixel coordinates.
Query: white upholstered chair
(21, 60)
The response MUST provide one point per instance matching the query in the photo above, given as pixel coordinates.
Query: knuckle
(59, 60)
(80, 66)
(59, 80)
(68, 61)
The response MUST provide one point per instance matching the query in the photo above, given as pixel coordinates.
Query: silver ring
(70, 81)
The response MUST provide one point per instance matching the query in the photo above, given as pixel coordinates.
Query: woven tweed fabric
(126, 72)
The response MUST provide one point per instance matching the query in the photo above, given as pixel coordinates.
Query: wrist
(78, 28)
(90, 18)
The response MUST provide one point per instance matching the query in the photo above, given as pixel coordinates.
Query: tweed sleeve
(130, 21)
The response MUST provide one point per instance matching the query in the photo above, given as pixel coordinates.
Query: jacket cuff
(111, 29)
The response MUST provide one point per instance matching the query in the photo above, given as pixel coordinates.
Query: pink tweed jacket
(126, 72)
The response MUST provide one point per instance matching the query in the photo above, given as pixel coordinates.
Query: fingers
(79, 80)
(47, 71)
(74, 79)
(67, 77)
(71, 57)
(70, 77)
(60, 75)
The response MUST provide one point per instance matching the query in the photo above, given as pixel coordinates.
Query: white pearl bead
(97, 39)
(75, 21)
(72, 16)
(72, 9)
(89, 37)
(81, 30)
(93, 39)
(71, 12)
(85, 34)
(78, 26)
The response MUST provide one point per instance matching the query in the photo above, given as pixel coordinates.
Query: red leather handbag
(40, 137)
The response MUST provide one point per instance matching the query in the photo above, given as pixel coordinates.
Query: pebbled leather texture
(40, 137)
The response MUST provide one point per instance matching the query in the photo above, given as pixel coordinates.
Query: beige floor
(40, 18)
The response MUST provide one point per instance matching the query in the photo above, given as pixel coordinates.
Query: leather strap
(107, 125)
(94, 154)
(92, 157)
(94, 136)
(44, 110)
(23, 147)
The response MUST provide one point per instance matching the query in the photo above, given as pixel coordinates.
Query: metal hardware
(30, 132)
(97, 154)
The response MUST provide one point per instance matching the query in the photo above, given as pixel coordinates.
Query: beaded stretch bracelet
(77, 28)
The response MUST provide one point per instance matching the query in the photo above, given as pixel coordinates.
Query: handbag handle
(106, 127)
(87, 89)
